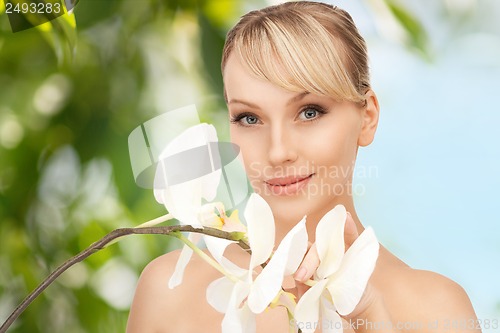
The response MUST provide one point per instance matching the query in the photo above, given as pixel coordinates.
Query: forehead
(243, 89)
(240, 83)
(239, 78)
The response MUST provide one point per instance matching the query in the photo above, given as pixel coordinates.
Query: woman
(300, 104)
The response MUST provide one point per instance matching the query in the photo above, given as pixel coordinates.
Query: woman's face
(298, 149)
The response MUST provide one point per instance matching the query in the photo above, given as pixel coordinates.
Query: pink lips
(290, 185)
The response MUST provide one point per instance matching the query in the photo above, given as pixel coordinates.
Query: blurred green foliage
(70, 95)
(417, 36)
(71, 92)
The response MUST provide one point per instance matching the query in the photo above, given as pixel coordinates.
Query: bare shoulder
(438, 287)
(434, 303)
(442, 293)
(156, 308)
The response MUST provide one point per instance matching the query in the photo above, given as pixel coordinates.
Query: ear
(370, 114)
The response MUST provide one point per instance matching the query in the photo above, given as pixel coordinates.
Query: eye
(311, 113)
(245, 119)
(250, 120)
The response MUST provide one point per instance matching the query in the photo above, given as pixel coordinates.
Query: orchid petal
(307, 309)
(297, 247)
(284, 261)
(260, 224)
(238, 320)
(219, 293)
(183, 200)
(211, 181)
(330, 319)
(192, 137)
(247, 319)
(184, 257)
(330, 241)
(348, 284)
(216, 247)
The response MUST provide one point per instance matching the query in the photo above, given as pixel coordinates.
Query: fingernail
(300, 275)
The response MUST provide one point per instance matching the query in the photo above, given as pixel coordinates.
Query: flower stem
(203, 255)
(103, 243)
(147, 224)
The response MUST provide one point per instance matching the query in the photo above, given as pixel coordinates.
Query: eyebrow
(297, 98)
(238, 101)
(292, 100)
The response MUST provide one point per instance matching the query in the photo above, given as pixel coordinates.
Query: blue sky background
(431, 192)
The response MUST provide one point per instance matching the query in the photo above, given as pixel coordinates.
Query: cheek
(250, 150)
(334, 149)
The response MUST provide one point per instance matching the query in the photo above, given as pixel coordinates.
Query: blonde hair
(303, 46)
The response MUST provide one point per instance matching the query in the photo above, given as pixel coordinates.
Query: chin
(289, 210)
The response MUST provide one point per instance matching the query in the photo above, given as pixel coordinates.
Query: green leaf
(417, 34)
(61, 34)
(212, 42)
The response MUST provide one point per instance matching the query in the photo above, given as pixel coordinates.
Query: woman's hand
(311, 263)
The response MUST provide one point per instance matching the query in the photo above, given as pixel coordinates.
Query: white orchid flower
(341, 277)
(183, 199)
(240, 296)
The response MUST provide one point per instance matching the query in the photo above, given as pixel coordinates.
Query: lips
(285, 181)
(287, 185)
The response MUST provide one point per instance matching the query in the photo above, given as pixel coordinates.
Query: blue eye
(245, 119)
(311, 113)
(250, 120)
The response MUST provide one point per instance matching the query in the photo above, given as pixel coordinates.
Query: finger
(350, 231)
(301, 289)
(308, 265)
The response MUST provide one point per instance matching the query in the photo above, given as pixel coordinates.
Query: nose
(282, 148)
